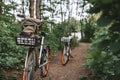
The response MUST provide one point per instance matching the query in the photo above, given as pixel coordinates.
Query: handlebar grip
(22, 16)
(44, 33)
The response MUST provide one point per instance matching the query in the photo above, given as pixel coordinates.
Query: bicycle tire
(45, 58)
(65, 56)
(28, 73)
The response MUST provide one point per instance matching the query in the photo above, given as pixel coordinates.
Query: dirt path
(73, 70)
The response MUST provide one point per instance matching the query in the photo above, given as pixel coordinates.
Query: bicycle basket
(27, 41)
(65, 39)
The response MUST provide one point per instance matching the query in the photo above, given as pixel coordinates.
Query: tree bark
(31, 8)
(81, 29)
(38, 9)
(23, 11)
(0, 7)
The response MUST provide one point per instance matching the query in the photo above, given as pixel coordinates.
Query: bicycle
(66, 51)
(38, 54)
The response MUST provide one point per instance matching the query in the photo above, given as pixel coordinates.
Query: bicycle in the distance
(38, 54)
(66, 51)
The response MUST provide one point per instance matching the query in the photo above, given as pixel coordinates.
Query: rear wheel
(45, 59)
(65, 56)
(29, 71)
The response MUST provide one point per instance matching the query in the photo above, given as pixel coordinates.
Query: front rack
(28, 41)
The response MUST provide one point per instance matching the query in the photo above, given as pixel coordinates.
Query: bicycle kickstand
(71, 56)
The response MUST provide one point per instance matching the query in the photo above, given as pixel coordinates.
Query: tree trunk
(62, 19)
(31, 8)
(0, 7)
(38, 9)
(23, 11)
(81, 29)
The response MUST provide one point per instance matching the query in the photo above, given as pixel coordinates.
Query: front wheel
(29, 70)
(65, 56)
(45, 60)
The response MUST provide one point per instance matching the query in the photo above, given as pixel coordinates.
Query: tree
(108, 13)
(0, 7)
(23, 11)
(38, 9)
(31, 8)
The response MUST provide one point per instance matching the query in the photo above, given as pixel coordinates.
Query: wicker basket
(65, 39)
(28, 41)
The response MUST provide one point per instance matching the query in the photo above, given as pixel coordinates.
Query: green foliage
(2, 75)
(74, 42)
(104, 21)
(55, 33)
(103, 65)
(53, 37)
(103, 59)
(88, 30)
(102, 5)
(83, 77)
(10, 53)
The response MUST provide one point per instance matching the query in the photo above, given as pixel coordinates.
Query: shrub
(74, 42)
(103, 58)
(10, 54)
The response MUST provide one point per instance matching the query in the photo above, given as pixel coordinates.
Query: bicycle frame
(41, 49)
(40, 53)
(66, 47)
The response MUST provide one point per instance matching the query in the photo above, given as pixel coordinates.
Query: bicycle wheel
(65, 55)
(45, 60)
(28, 73)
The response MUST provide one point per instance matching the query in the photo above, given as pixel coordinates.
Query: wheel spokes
(45, 67)
(30, 66)
(65, 55)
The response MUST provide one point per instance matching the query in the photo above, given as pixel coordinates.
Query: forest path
(73, 70)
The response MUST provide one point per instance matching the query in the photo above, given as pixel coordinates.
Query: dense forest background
(11, 27)
(100, 27)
